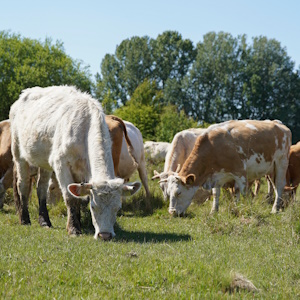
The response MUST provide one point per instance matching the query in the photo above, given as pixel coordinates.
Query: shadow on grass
(135, 236)
(136, 205)
(148, 237)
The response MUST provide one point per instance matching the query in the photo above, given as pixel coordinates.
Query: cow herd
(62, 136)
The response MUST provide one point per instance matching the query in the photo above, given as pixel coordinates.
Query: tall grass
(154, 255)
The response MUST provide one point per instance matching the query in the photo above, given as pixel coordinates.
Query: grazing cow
(127, 166)
(6, 164)
(156, 150)
(117, 129)
(179, 150)
(63, 130)
(239, 151)
(293, 172)
(292, 176)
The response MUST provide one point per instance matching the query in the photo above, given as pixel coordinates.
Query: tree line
(166, 84)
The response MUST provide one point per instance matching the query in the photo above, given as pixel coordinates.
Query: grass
(154, 255)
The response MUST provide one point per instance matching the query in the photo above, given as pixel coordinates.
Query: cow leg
(64, 178)
(22, 187)
(54, 192)
(270, 189)
(278, 184)
(144, 179)
(2, 194)
(256, 187)
(216, 195)
(42, 187)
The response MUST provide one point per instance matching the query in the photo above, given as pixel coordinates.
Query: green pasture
(154, 255)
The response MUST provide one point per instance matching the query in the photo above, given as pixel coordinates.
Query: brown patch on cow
(293, 171)
(294, 165)
(117, 128)
(6, 164)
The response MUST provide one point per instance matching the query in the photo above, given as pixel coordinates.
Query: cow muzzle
(105, 236)
(172, 211)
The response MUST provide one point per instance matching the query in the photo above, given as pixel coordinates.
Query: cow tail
(128, 142)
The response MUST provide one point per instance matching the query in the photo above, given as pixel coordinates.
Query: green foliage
(140, 58)
(143, 109)
(26, 63)
(155, 122)
(172, 122)
(144, 117)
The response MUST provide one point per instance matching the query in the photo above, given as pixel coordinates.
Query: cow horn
(163, 180)
(157, 175)
(178, 168)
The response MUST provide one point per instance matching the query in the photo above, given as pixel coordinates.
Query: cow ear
(79, 190)
(130, 189)
(190, 179)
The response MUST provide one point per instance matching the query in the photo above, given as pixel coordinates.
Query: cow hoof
(74, 232)
(25, 222)
(45, 223)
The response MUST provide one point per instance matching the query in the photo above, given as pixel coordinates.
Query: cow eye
(178, 194)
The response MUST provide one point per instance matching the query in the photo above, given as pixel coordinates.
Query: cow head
(181, 191)
(163, 180)
(105, 202)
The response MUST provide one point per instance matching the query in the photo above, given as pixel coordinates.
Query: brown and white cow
(239, 151)
(126, 165)
(6, 164)
(292, 176)
(293, 171)
(118, 134)
(63, 130)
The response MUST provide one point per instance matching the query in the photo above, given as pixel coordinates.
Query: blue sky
(90, 29)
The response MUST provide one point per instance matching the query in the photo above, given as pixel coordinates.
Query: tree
(172, 56)
(213, 86)
(143, 109)
(156, 122)
(123, 72)
(167, 58)
(269, 72)
(172, 122)
(26, 63)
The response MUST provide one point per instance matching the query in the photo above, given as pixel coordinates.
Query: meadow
(155, 255)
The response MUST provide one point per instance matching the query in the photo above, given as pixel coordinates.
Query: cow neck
(196, 163)
(99, 148)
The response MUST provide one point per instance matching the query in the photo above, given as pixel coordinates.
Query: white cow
(127, 166)
(63, 130)
(179, 150)
(156, 151)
